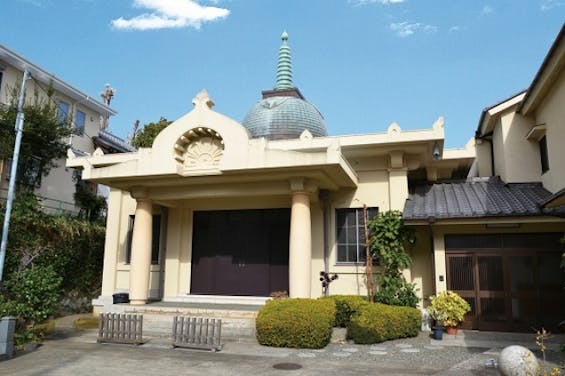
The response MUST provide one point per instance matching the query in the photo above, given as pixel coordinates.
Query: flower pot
(451, 330)
(437, 332)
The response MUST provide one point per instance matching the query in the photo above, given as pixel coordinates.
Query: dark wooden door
(512, 282)
(240, 252)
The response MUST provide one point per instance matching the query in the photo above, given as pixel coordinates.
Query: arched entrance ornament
(199, 148)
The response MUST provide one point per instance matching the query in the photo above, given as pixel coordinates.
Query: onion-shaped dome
(277, 118)
(283, 113)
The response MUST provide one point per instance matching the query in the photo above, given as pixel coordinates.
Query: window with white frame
(63, 109)
(350, 231)
(80, 121)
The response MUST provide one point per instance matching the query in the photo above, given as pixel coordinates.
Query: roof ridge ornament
(284, 65)
(202, 100)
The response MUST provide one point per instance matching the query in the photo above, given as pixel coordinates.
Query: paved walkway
(70, 352)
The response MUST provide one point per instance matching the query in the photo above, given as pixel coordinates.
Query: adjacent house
(222, 211)
(88, 117)
(496, 237)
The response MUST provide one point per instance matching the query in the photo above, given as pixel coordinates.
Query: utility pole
(13, 172)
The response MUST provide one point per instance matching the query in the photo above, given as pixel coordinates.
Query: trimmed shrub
(345, 307)
(297, 323)
(375, 323)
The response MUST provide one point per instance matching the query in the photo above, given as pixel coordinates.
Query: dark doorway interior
(240, 252)
(513, 282)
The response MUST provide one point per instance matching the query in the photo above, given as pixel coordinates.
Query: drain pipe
(325, 198)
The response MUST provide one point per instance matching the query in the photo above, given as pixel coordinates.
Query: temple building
(222, 211)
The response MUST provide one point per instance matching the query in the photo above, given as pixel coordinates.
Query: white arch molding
(199, 148)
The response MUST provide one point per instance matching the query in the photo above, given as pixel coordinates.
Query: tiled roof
(476, 198)
(113, 142)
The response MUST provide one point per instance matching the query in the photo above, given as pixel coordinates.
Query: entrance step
(218, 299)
(238, 320)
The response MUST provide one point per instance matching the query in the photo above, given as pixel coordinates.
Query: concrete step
(238, 321)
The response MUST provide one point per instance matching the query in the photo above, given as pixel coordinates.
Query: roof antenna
(107, 96)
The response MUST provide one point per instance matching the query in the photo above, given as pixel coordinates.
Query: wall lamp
(436, 154)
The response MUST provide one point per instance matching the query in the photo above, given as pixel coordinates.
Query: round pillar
(300, 247)
(141, 252)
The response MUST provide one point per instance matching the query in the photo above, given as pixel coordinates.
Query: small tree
(147, 135)
(389, 236)
(92, 206)
(44, 140)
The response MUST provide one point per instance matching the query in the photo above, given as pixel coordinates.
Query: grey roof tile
(476, 198)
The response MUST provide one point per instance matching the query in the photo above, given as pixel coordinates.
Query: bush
(377, 322)
(297, 323)
(345, 307)
(31, 295)
(397, 291)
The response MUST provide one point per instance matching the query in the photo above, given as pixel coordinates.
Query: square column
(300, 246)
(141, 252)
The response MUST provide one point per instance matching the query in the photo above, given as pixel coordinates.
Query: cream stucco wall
(373, 190)
(521, 156)
(552, 113)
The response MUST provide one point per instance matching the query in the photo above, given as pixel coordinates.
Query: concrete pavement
(76, 353)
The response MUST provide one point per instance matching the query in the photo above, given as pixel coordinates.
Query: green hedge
(377, 322)
(345, 307)
(297, 323)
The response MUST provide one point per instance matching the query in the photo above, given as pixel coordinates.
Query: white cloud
(170, 14)
(406, 29)
(550, 4)
(454, 29)
(487, 9)
(384, 2)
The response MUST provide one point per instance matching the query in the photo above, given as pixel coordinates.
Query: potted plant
(448, 309)
(439, 315)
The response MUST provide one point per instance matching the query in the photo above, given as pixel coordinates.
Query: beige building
(495, 237)
(86, 114)
(218, 210)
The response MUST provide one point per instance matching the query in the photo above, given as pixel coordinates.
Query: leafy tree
(147, 135)
(44, 140)
(389, 235)
(92, 206)
(48, 257)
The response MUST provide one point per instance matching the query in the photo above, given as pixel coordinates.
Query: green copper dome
(277, 118)
(283, 113)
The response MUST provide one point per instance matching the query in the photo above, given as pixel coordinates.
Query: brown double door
(513, 282)
(240, 252)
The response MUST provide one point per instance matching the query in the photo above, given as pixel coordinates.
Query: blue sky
(363, 63)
